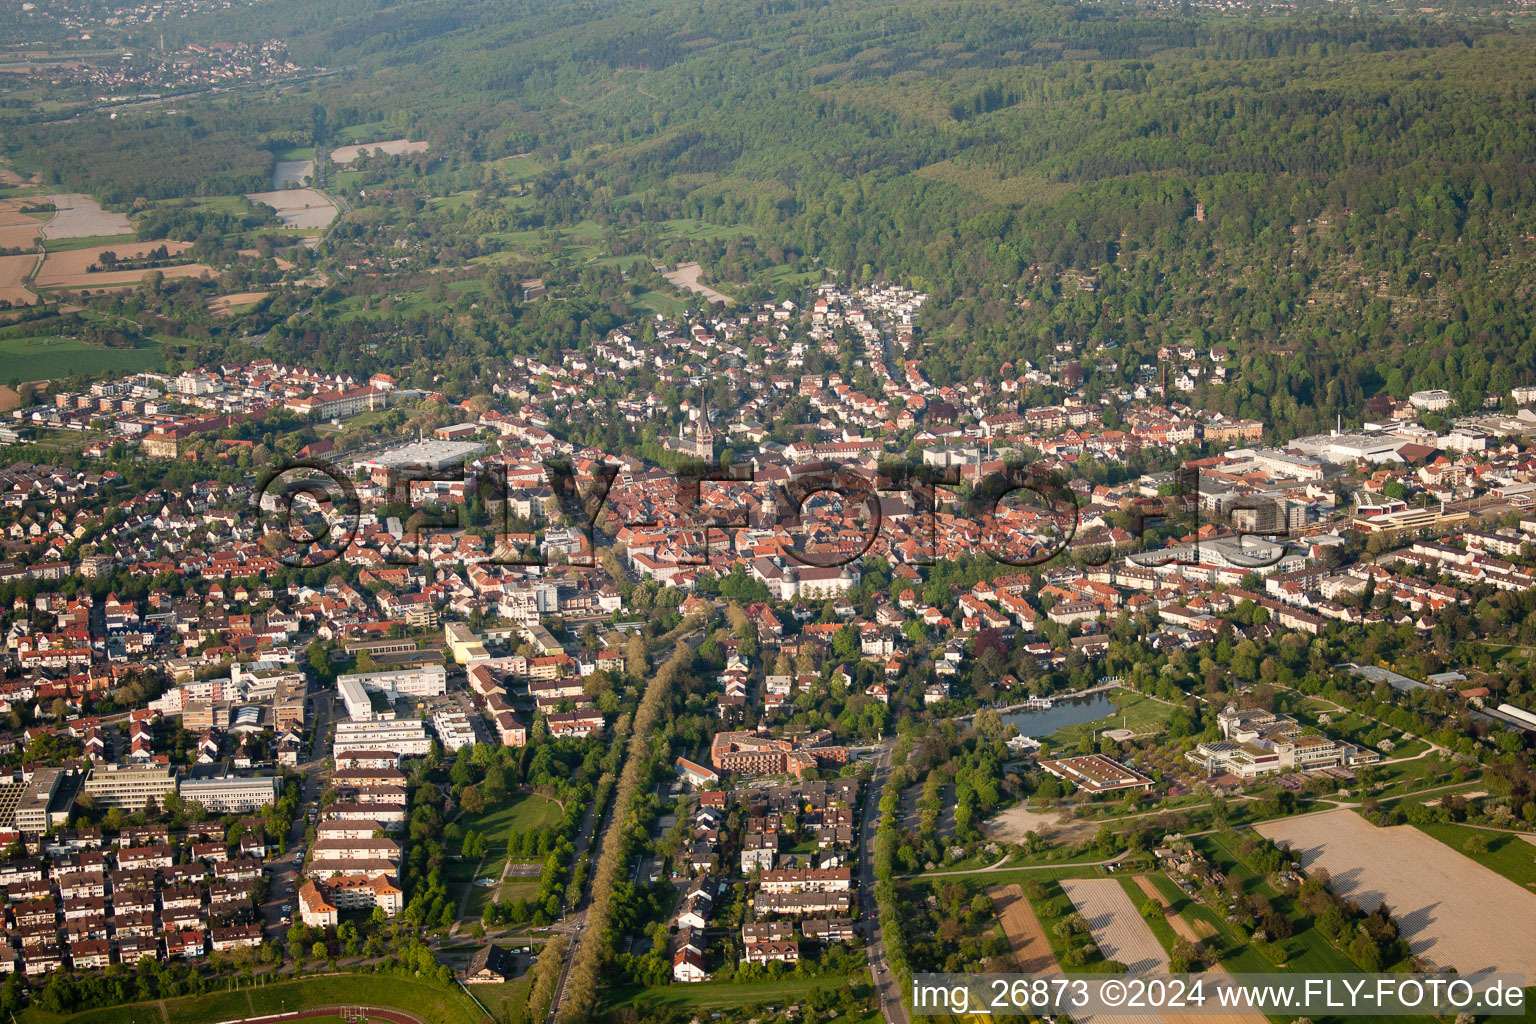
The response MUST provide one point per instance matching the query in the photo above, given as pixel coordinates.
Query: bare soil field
(1026, 938)
(282, 264)
(1217, 976)
(298, 207)
(292, 173)
(394, 147)
(1013, 824)
(13, 271)
(223, 303)
(1116, 924)
(686, 277)
(82, 217)
(68, 269)
(1180, 927)
(17, 230)
(1452, 911)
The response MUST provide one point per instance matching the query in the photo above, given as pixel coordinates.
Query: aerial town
(224, 747)
(517, 514)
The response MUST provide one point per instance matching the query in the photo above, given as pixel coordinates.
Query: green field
(728, 996)
(521, 812)
(49, 358)
(434, 1003)
(1307, 949)
(1509, 855)
(91, 242)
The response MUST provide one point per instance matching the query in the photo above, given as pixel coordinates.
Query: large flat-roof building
(33, 814)
(406, 736)
(233, 794)
(426, 681)
(131, 786)
(1097, 774)
(423, 455)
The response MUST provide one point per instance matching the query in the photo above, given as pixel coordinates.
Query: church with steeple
(701, 445)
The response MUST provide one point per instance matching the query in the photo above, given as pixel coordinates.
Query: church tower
(704, 437)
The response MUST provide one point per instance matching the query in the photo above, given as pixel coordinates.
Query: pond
(1041, 722)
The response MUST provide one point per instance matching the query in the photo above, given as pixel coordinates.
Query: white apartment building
(454, 729)
(131, 786)
(233, 794)
(426, 681)
(406, 736)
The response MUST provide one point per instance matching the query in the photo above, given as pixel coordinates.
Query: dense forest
(1346, 201)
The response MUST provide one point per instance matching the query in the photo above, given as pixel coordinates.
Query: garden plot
(1453, 912)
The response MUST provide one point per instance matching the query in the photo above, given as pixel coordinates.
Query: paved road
(891, 1006)
(284, 870)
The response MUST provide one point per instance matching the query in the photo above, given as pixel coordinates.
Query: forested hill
(1346, 201)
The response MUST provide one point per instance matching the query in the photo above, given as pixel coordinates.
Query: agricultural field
(1116, 924)
(305, 208)
(70, 269)
(1453, 912)
(394, 147)
(81, 216)
(18, 230)
(13, 275)
(1512, 856)
(34, 358)
(229, 304)
(1026, 938)
(292, 173)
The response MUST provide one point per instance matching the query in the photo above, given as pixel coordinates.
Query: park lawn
(518, 888)
(660, 302)
(35, 358)
(1401, 778)
(522, 811)
(1509, 855)
(518, 166)
(501, 999)
(728, 995)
